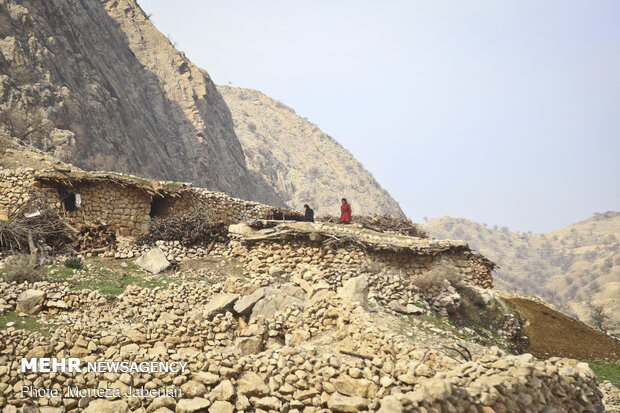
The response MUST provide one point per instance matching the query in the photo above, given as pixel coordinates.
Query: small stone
(221, 407)
(191, 405)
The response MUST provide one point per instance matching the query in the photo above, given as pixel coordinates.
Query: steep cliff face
(94, 83)
(300, 162)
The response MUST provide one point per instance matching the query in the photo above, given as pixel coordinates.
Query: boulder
(30, 301)
(414, 309)
(57, 304)
(276, 300)
(354, 387)
(219, 304)
(355, 290)
(397, 307)
(269, 403)
(154, 261)
(245, 304)
(451, 302)
(409, 309)
(223, 391)
(206, 378)
(275, 271)
(390, 404)
(193, 389)
(162, 402)
(40, 351)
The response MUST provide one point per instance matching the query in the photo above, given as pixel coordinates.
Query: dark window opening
(160, 207)
(67, 198)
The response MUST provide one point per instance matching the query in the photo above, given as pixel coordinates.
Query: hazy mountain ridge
(299, 161)
(565, 267)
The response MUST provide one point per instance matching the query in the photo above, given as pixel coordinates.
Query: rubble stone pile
(294, 347)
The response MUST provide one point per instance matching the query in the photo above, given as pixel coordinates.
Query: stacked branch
(189, 229)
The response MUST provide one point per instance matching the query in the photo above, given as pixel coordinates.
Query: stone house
(127, 203)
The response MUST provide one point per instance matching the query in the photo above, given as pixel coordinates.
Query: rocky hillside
(566, 267)
(95, 83)
(298, 160)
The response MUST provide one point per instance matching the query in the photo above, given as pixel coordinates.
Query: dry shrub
(440, 272)
(469, 294)
(373, 267)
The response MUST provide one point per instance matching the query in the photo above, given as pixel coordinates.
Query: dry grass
(441, 271)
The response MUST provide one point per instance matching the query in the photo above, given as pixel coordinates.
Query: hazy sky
(502, 112)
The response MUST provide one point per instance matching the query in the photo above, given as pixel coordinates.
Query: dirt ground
(553, 334)
(12, 158)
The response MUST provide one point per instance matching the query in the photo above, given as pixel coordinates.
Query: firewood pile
(31, 226)
(384, 223)
(189, 229)
(94, 237)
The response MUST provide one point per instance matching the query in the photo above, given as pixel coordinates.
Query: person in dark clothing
(345, 212)
(309, 216)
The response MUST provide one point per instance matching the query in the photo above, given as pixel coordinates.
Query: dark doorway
(160, 207)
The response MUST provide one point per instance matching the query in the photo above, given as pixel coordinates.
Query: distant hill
(301, 163)
(565, 267)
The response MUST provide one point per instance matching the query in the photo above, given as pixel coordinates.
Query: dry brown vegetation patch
(553, 334)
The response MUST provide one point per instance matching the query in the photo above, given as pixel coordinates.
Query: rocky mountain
(567, 267)
(299, 161)
(94, 83)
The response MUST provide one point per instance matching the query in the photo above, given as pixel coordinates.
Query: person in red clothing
(345, 212)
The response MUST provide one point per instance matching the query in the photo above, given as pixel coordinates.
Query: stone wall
(15, 186)
(220, 207)
(125, 209)
(390, 274)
